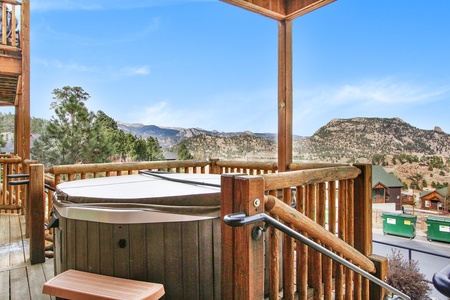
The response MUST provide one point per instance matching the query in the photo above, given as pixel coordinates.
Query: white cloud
(65, 66)
(164, 114)
(135, 71)
(387, 91)
(386, 97)
(113, 72)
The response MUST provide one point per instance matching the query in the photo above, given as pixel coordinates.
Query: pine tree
(183, 153)
(73, 134)
(155, 150)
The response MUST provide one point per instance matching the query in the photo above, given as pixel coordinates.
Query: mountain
(363, 137)
(341, 140)
(170, 136)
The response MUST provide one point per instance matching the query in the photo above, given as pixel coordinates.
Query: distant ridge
(340, 140)
(170, 136)
(363, 137)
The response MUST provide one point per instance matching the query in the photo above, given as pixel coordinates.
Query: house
(434, 199)
(407, 197)
(170, 155)
(386, 188)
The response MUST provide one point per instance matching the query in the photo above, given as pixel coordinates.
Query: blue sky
(208, 64)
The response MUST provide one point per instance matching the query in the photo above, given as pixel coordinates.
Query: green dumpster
(399, 224)
(438, 229)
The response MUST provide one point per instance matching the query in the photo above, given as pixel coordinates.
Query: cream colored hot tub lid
(144, 189)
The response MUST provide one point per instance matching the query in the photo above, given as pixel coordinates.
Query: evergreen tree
(183, 153)
(154, 149)
(73, 134)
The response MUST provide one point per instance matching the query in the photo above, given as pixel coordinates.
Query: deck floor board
(18, 278)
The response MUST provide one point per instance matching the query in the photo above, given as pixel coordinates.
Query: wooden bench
(73, 284)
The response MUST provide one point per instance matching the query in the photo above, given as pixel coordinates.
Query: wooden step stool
(73, 284)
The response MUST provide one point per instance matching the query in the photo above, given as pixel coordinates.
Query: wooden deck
(18, 278)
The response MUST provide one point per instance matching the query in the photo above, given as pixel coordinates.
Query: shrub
(405, 276)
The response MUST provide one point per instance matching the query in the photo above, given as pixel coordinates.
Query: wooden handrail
(9, 48)
(301, 222)
(117, 167)
(312, 165)
(295, 178)
(10, 160)
(13, 2)
(247, 165)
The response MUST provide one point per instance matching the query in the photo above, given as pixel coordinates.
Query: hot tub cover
(179, 193)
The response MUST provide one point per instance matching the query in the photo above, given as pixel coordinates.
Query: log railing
(246, 167)
(12, 197)
(336, 198)
(63, 173)
(9, 34)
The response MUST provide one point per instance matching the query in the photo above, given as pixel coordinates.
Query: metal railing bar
(241, 219)
(412, 249)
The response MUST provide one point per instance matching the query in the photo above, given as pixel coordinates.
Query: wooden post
(242, 256)
(36, 207)
(285, 136)
(284, 95)
(25, 189)
(213, 168)
(363, 209)
(363, 216)
(381, 264)
(22, 137)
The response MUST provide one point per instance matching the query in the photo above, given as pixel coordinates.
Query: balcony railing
(336, 198)
(9, 33)
(12, 197)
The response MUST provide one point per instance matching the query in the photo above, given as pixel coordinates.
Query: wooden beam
(299, 8)
(284, 95)
(9, 48)
(14, 2)
(306, 224)
(23, 119)
(258, 8)
(280, 9)
(10, 65)
(18, 91)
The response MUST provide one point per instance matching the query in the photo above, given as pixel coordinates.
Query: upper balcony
(15, 68)
(10, 51)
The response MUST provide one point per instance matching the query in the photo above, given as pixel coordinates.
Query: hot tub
(162, 228)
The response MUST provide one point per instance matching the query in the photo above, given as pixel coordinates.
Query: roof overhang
(280, 9)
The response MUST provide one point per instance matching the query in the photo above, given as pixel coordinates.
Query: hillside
(170, 136)
(341, 140)
(360, 138)
(401, 148)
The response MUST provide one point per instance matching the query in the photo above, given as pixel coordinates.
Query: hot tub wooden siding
(184, 256)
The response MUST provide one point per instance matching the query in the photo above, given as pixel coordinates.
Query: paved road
(428, 264)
